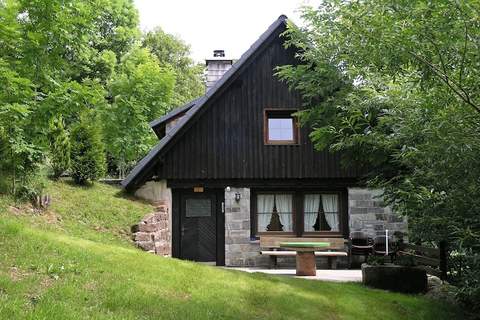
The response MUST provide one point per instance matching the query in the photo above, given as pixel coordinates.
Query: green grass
(99, 212)
(69, 270)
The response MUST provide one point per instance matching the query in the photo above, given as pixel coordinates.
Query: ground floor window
(321, 212)
(275, 212)
(297, 212)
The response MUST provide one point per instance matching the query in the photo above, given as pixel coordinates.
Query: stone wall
(367, 213)
(239, 249)
(152, 233)
(158, 193)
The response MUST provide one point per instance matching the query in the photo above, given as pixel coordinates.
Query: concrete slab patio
(325, 275)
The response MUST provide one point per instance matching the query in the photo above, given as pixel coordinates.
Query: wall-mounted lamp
(237, 196)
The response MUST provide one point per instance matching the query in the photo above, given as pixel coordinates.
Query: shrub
(376, 260)
(59, 148)
(405, 261)
(32, 186)
(88, 152)
(465, 274)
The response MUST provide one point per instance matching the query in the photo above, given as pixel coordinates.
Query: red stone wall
(152, 233)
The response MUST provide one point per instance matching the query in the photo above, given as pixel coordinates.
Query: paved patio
(322, 274)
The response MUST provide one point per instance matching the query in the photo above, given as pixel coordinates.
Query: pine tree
(60, 148)
(88, 152)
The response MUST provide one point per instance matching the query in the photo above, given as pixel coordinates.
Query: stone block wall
(158, 193)
(239, 249)
(152, 233)
(367, 213)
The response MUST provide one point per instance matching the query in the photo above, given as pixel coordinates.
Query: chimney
(216, 67)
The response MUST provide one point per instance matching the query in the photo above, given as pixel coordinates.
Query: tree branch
(456, 88)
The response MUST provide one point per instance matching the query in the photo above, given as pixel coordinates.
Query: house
(233, 165)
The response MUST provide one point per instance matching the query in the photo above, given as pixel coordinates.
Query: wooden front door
(199, 226)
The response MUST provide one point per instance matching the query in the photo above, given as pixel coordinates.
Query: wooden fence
(433, 260)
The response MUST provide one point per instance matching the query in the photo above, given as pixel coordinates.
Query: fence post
(443, 259)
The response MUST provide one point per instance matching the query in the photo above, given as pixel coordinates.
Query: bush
(375, 260)
(465, 274)
(405, 261)
(88, 152)
(59, 148)
(32, 186)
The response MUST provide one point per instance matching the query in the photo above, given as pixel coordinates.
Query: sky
(207, 25)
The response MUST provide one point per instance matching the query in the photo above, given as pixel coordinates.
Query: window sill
(293, 144)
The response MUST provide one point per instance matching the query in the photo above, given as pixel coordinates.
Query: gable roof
(172, 114)
(145, 165)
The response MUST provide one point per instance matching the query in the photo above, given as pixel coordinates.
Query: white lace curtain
(284, 209)
(330, 207)
(310, 209)
(265, 208)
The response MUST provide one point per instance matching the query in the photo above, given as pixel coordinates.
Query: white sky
(215, 24)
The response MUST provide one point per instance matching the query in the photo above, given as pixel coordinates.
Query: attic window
(281, 127)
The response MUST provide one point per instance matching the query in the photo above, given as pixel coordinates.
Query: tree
(174, 53)
(19, 155)
(141, 92)
(59, 148)
(394, 86)
(63, 59)
(55, 58)
(87, 155)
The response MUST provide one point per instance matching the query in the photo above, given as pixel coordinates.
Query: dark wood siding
(226, 141)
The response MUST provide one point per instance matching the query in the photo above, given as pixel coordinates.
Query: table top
(304, 245)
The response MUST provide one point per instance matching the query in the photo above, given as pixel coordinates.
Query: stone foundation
(159, 223)
(152, 233)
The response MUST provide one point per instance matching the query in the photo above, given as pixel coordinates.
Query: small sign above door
(197, 189)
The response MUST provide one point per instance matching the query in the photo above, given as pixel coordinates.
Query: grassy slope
(57, 268)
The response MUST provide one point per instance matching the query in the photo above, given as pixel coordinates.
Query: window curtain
(284, 208)
(310, 209)
(330, 206)
(264, 209)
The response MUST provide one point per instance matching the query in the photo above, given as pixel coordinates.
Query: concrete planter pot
(395, 278)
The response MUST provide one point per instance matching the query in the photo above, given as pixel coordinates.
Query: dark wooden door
(198, 227)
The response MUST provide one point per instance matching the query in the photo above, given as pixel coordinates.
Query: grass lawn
(76, 262)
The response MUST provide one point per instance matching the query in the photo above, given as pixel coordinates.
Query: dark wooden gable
(226, 140)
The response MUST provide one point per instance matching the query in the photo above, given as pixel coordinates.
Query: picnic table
(306, 265)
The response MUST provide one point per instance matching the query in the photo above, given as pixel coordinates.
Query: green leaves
(62, 59)
(141, 92)
(394, 86)
(60, 147)
(173, 53)
(88, 150)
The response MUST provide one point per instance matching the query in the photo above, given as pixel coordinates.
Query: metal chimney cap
(219, 53)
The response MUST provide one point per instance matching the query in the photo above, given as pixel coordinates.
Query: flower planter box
(395, 278)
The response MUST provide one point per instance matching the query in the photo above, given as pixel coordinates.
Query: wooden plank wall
(227, 140)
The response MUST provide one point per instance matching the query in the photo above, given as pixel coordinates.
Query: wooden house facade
(234, 165)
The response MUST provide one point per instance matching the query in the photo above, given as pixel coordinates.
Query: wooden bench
(270, 246)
